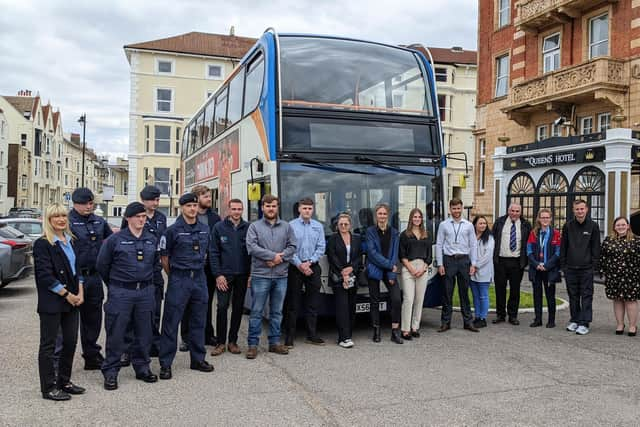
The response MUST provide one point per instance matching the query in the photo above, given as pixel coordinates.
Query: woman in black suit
(59, 295)
(343, 253)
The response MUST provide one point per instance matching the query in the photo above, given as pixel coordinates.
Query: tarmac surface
(504, 375)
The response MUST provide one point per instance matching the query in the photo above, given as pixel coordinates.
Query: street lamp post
(171, 196)
(83, 120)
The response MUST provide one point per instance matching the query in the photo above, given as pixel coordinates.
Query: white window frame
(445, 74)
(213, 64)
(607, 119)
(583, 127)
(164, 73)
(590, 33)
(500, 77)
(556, 130)
(551, 53)
(504, 6)
(482, 150)
(171, 102)
(541, 132)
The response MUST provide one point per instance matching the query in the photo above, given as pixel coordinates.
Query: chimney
(457, 49)
(75, 137)
(232, 31)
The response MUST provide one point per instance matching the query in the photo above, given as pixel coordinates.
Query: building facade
(558, 107)
(170, 79)
(5, 203)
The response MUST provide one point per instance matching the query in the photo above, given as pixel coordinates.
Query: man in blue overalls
(90, 230)
(155, 224)
(183, 254)
(126, 262)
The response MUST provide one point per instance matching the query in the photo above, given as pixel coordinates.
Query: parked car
(16, 262)
(31, 227)
(25, 213)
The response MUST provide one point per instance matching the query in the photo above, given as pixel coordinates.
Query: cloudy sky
(71, 51)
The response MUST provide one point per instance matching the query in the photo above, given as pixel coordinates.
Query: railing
(595, 74)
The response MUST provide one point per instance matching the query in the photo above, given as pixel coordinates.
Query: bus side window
(253, 83)
(221, 112)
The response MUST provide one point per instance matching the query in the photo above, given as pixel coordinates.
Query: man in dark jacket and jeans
(229, 263)
(510, 233)
(579, 257)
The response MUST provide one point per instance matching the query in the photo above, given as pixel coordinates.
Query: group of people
(278, 262)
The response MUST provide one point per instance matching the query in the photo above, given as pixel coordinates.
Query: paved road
(504, 375)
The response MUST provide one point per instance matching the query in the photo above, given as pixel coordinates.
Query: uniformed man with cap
(183, 254)
(127, 263)
(156, 224)
(90, 231)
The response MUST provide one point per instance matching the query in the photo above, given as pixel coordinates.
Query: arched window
(522, 191)
(589, 184)
(552, 194)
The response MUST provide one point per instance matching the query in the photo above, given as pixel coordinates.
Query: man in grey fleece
(271, 243)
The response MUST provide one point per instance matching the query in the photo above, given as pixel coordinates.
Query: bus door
(255, 191)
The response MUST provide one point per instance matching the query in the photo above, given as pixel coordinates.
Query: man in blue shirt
(126, 263)
(183, 254)
(90, 231)
(304, 270)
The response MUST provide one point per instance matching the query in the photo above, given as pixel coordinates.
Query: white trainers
(572, 327)
(346, 344)
(582, 330)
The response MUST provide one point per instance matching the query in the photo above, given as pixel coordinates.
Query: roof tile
(200, 44)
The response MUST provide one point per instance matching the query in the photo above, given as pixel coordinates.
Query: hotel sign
(588, 155)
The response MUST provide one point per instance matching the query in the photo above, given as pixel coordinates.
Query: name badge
(196, 246)
(140, 254)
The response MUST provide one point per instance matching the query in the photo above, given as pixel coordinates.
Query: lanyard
(542, 241)
(456, 232)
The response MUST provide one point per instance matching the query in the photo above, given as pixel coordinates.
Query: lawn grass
(526, 299)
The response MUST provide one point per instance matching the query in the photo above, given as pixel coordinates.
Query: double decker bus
(348, 123)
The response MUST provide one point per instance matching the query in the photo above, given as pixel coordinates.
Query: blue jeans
(262, 288)
(480, 291)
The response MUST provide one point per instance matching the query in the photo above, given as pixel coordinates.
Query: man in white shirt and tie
(510, 233)
(456, 252)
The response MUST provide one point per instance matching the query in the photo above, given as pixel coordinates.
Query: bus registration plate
(364, 307)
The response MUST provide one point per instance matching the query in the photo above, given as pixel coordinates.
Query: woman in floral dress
(620, 265)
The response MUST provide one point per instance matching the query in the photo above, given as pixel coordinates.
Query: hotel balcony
(601, 79)
(533, 15)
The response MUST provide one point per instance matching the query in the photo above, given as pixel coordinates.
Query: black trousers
(395, 300)
(209, 331)
(540, 282)
(237, 289)
(345, 310)
(157, 312)
(508, 270)
(312, 284)
(580, 290)
(91, 317)
(456, 271)
(50, 325)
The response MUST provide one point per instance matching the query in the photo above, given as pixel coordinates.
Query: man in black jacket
(510, 233)
(579, 257)
(230, 264)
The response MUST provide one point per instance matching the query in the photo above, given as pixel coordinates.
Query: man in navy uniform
(183, 253)
(126, 262)
(156, 224)
(90, 231)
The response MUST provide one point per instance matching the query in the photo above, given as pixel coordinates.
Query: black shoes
(480, 323)
(620, 331)
(202, 366)
(444, 327)
(184, 346)
(111, 383)
(498, 320)
(395, 336)
(165, 373)
(212, 341)
(125, 360)
(407, 336)
(415, 334)
(148, 377)
(470, 327)
(71, 388)
(551, 324)
(514, 321)
(57, 395)
(535, 324)
(315, 341)
(376, 333)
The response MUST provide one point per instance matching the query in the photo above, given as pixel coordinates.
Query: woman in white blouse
(484, 271)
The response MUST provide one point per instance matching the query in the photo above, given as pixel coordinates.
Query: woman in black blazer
(59, 294)
(343, 253)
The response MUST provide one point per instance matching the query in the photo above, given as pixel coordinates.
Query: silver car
(30, 227)
(15, 255)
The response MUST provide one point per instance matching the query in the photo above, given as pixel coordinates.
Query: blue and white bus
(348, 123)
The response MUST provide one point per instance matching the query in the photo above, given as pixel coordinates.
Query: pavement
(504, 375)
